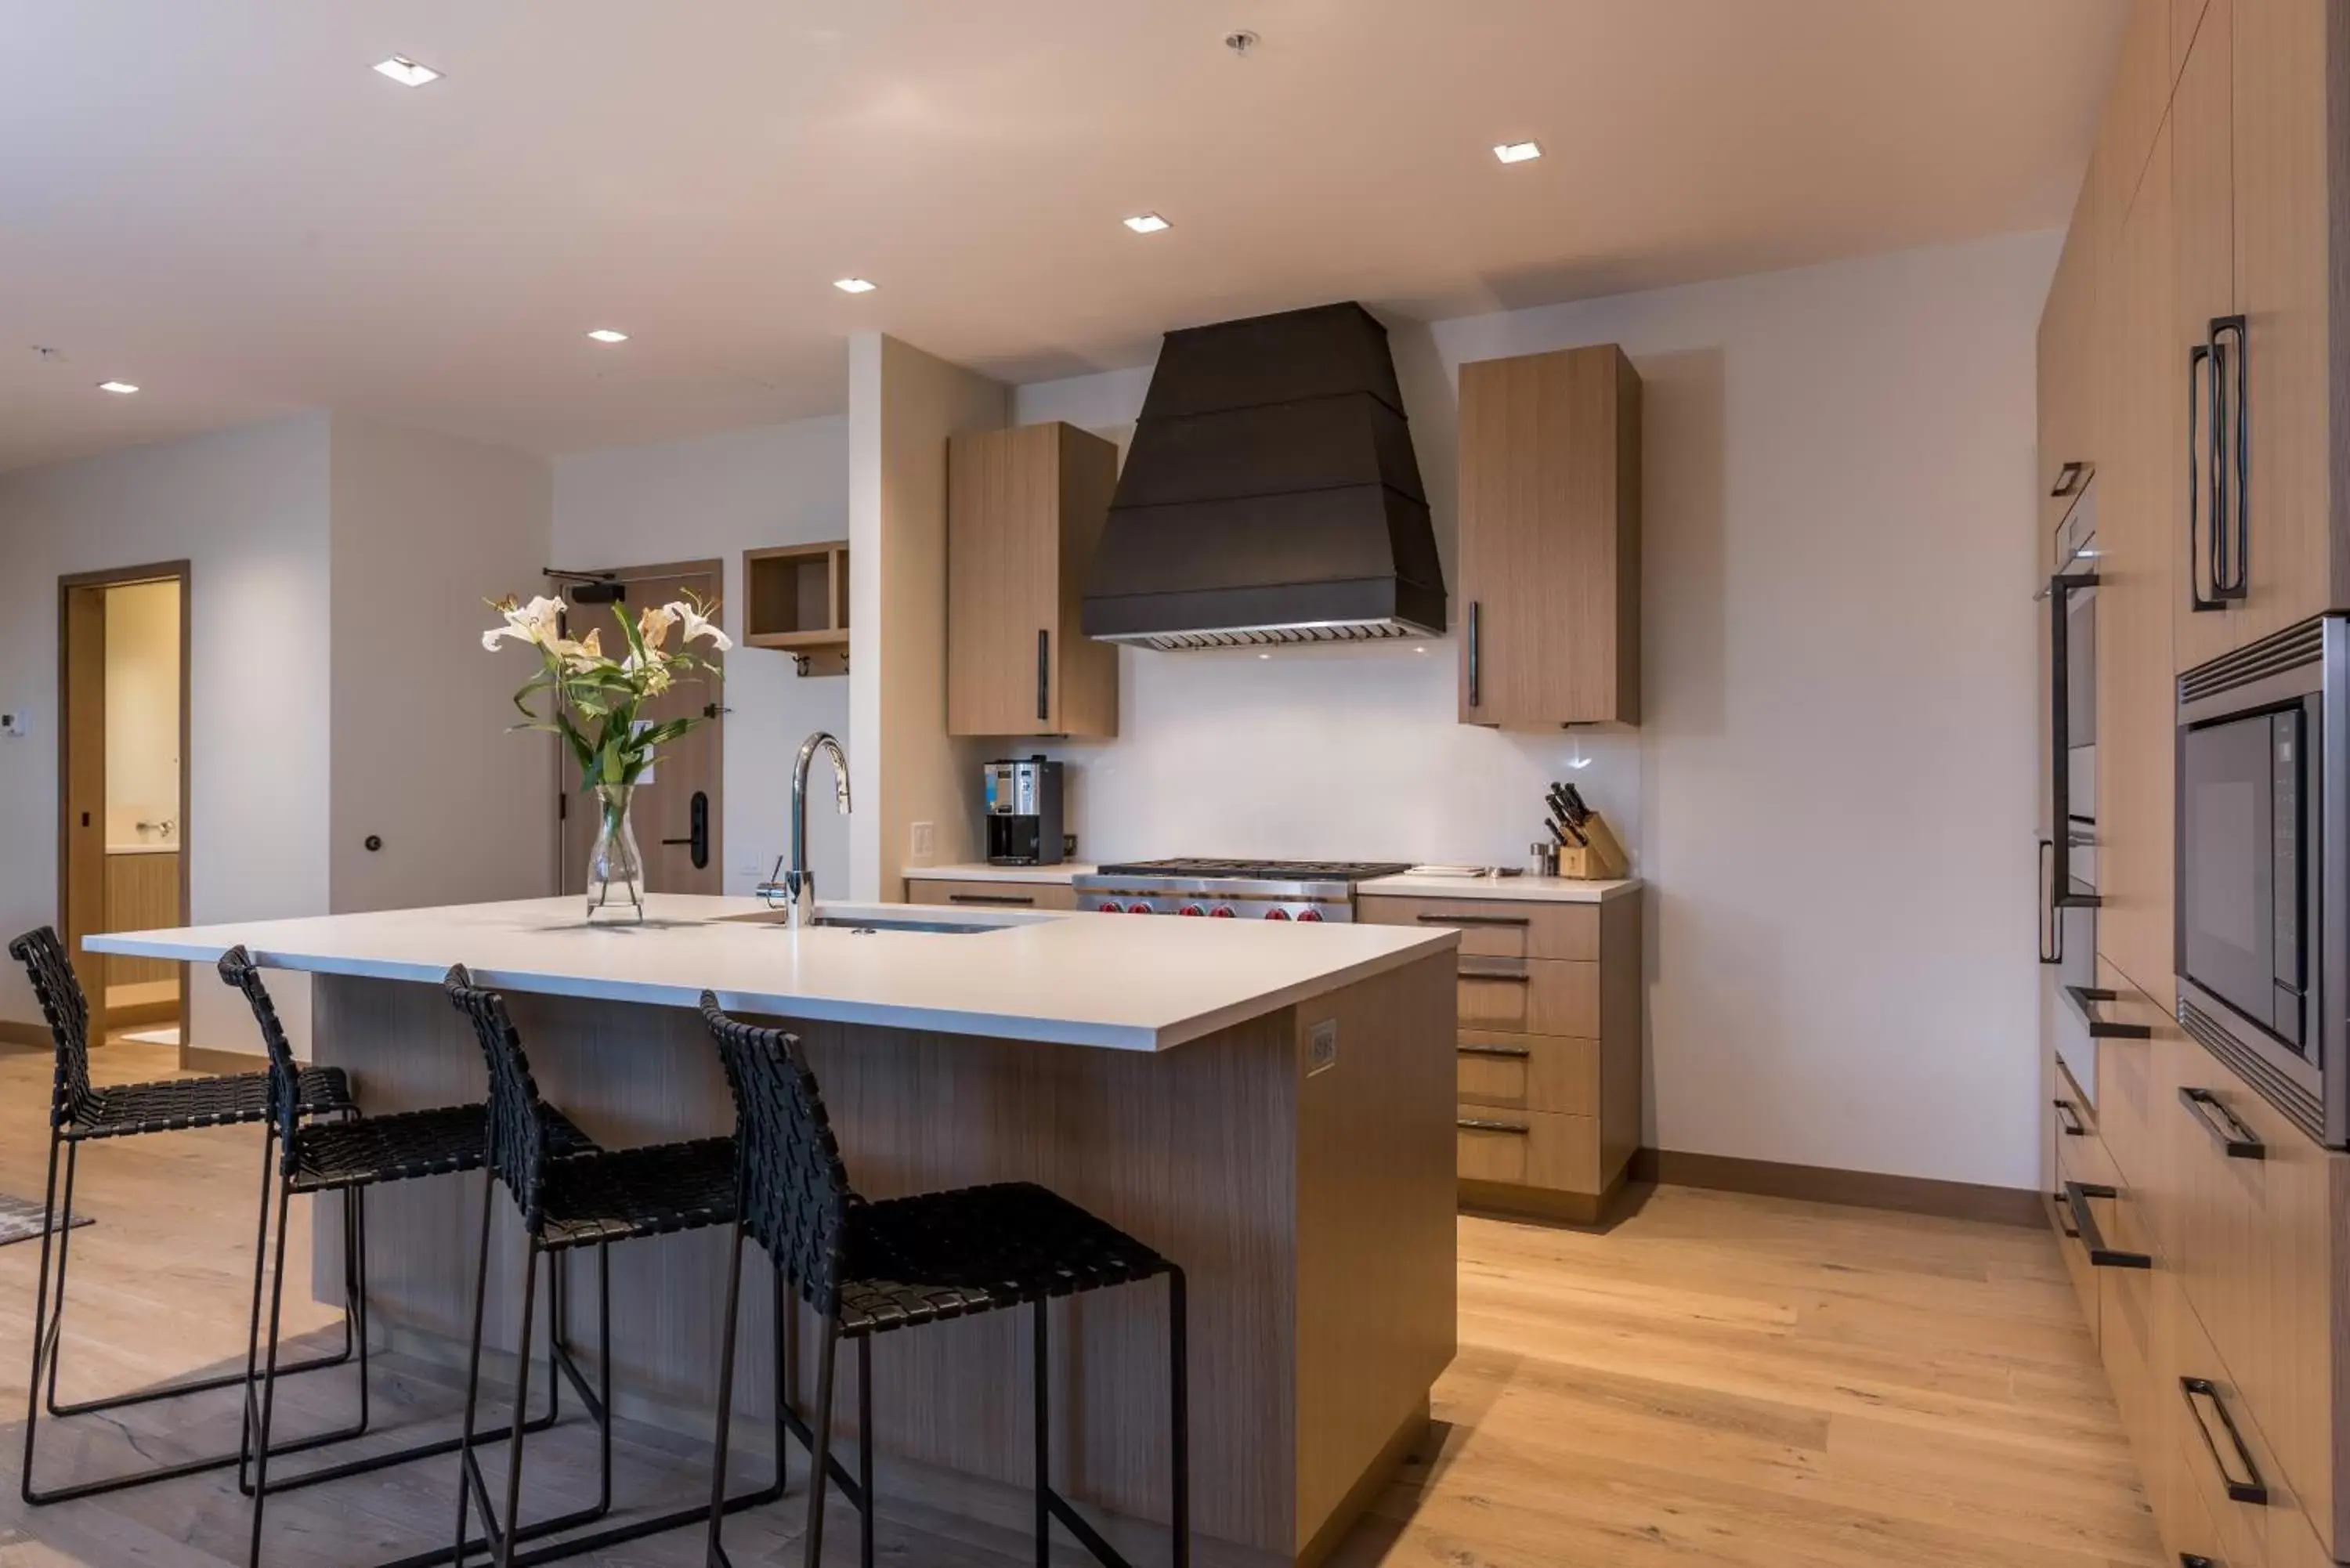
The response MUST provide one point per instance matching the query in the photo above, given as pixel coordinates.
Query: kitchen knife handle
(1476, 624)
(1044, 675)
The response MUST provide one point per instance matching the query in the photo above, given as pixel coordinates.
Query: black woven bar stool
(349, 1157)
(590, 1199)
(870, 1268)
(80, 1114)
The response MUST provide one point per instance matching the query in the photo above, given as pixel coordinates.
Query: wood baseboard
(14, 1034)
(1508, 1200)
(1858, 1189)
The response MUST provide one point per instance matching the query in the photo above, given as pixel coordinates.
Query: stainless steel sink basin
(867, 927)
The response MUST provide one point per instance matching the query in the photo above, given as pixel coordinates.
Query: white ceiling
(221, 202)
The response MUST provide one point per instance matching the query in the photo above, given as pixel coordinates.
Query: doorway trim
(181, 572)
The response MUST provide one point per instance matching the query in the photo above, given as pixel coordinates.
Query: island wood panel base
(1313, 1214)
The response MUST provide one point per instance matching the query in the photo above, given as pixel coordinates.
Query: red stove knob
(1220, 912)
(1110, 907)
(1194, 909)
(1276, 914)
(1137, 910)
(1309, 915)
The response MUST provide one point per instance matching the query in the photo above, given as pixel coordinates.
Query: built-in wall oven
(2263, 933)
(2068, 834)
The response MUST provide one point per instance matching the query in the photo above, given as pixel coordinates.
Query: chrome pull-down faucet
(792, 878)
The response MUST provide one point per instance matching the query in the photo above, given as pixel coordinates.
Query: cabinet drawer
(1529, 1149)
(1530, 1072)
(1497, 928)
(2126, 1073)
(1530, 996)
(991, 895)
(2246, 1195)
(2229, 1463)
(2084, 1159)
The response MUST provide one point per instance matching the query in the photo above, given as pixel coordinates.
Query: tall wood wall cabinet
(1550, 539)
(2189, 381)
(1025, 512)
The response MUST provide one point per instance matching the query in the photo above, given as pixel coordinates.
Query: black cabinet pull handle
(2068, 480)
(1017, 900)
(2231, 514)
(2252, 1490)
(1475, 1123)
(1476, 625)
(2085, 1000)
(1474, 920)
(1044, 675)
(2192, 1560)
(2236, 1140)
(2051, 928)
(2076, 1199)
(2068, 1118)
(1516, 1053)
(2196, 359)
(1512, 976)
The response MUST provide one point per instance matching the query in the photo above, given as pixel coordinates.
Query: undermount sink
(867, 927)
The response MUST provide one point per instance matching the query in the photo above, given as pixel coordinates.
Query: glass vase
(616, 871)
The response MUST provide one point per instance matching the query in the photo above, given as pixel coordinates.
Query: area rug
(20, 1219)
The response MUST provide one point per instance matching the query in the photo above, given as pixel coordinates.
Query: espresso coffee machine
(1023, 812)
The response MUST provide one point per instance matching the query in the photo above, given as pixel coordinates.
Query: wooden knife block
(1603, 861)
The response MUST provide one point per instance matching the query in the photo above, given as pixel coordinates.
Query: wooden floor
(1720, 1380)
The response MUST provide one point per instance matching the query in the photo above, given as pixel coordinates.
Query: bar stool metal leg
(818, 1473)
(1039, 1350)
(1179, 1414)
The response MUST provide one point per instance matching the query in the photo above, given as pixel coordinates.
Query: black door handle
(2051, 925)
(2061, 589)
(1476, 625)
(697, 830)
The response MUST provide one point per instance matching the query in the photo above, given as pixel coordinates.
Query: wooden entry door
(693, 767)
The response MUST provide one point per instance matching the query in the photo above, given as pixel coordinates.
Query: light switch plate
(1322, 1047)
(926, 840)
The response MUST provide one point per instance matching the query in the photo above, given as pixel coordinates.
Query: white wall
(904, 405)
(142, 711)
(425, 529)
(247, 509)
(1832, 790)
(718, 497)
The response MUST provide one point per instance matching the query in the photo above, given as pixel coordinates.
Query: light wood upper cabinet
(2254, 193)
(1550, 539)
(1025, 512)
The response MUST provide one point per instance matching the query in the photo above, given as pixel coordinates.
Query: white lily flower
(537, 623)
(697, 624)
(652, 625)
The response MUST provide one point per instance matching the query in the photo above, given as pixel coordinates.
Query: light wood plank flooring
(1718, 1380)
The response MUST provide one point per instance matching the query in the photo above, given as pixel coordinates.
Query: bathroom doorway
(122, 788)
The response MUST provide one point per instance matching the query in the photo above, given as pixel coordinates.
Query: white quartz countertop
(980, 871)
(1071, 979)
(1534, 889)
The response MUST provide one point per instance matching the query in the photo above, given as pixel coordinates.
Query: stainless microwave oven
(2262, 938)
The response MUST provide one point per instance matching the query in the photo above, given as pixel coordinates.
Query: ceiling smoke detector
(1240, 41)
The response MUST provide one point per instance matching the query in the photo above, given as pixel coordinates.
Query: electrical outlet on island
(1322, 1047)
(926, 842)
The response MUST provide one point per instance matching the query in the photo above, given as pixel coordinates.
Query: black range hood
(1269, 494)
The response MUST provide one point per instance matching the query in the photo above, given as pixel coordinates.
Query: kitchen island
(1272, 1108)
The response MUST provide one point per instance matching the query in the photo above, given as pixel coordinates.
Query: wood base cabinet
(2208, 1274)
(1005, 895)
(1547, 1055)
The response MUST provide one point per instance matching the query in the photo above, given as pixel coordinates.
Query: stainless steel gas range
(1305, 890)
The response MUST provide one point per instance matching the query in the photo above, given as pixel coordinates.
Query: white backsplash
(1349, 752)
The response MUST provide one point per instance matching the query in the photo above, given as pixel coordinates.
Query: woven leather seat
(913, 1261)
(619, 1194)
(178, 1104)
(409, 1144)
(869, 1268)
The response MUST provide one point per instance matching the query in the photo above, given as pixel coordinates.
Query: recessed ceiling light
(853, 286)
(1518, 152)
(407, 72)
(1147, 223)
(119, 389)
(606, 334)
